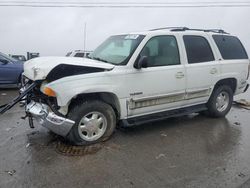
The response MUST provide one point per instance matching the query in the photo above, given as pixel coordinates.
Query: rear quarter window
(230, 47)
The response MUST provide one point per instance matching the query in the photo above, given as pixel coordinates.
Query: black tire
(78, 111)
(213, 111)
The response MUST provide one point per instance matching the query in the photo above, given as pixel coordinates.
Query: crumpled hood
(39, 68)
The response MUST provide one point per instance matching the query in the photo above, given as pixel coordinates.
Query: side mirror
(4, 61)
(142, 62)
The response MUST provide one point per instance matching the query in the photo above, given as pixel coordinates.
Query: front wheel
(220, 101)
(95, 121)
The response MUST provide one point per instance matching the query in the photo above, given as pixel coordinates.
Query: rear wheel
(95, 121)
(220, 101)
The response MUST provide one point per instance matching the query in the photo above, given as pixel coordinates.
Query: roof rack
(216, 31)
(162, 28)
(188, 29)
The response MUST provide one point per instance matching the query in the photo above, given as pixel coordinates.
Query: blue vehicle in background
(10, 70)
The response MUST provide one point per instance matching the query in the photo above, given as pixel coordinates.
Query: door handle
(213, 71)
(179, 75)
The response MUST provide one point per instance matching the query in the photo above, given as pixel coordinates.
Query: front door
(160, 86)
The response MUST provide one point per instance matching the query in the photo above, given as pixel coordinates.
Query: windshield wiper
(99, 59)
(102, 60)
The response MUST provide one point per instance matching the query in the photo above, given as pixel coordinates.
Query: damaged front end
(47, 118)
(40, 100)
(42, 108)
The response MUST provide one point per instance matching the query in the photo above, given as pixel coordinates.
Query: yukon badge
(136, 93)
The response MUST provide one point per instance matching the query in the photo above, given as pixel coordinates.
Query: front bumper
(47, 118)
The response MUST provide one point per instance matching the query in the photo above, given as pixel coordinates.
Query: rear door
(234, 60)
(202, 68)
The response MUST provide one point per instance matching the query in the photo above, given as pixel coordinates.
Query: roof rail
(216, 31)
(188, 29)
(204, 30)
(162, 28)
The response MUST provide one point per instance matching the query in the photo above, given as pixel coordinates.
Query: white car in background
(135, 78)
(78, 53)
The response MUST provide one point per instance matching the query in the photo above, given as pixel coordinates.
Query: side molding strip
(155, 100)
(135, 103)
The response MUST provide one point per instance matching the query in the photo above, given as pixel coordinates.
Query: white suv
(135, 78)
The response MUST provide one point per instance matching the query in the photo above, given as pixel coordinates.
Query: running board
(162, 115)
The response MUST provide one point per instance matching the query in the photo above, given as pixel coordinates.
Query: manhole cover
(69, 150)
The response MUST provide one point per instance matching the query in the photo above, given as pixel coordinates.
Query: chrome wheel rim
(92, 126)
(222, 101)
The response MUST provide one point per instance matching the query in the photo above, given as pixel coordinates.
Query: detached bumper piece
(47, 118)
(21, 97)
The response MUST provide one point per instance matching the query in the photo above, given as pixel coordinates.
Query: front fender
(68, 88)
(64, 98)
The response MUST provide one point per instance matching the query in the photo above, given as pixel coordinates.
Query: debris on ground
(160, 156)
(237, 123)
(243, 103)
(8, 129)
(163, 134)
(3, 94)
(113, 146)
(241, 175)
(11, 172)
(27, 145)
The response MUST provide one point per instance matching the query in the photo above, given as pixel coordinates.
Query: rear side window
(230, 47)
(198, 49)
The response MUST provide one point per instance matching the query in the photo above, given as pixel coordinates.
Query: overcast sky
(55, 31)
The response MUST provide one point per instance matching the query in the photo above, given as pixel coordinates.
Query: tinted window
(230, 47)
(161, 51)
(198, 49)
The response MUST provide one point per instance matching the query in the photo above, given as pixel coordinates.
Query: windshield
(117, 49)
(6, 57)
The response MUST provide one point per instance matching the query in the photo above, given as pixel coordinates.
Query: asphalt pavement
(190, 151)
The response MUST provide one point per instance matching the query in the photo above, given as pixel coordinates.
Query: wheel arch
(232, 82)
(107, 97)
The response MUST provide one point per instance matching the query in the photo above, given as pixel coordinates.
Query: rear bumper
(47, 118)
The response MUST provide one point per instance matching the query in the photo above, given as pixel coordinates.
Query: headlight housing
(48, 91)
